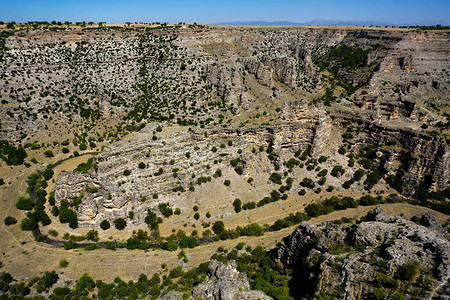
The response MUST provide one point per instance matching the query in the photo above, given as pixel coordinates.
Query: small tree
(48, 153)
(227, 182)
(24, 203)
(237, 205)
(218, 227)
(10, 221)
(92, 235)
(28, 224)
(120, 223)
(63, 263)
(105, 225)
(275, 178)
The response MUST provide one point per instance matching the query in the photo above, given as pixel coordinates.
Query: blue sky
(203, 11)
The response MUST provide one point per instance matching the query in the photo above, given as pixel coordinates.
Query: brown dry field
(25, 258)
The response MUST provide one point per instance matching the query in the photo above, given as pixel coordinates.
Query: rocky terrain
(165, 138)
(380, 256)
(226, 282)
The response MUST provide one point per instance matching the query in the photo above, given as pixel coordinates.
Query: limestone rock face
(262, 73)
(71, 184)
(301, 113)
(225, 282)
(415, 67)
(382, 245)
(109, 194)
(229, 84)
(431, 155)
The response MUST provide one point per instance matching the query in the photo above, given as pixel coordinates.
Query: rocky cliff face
(416, 68)
(214, 77)
(109, 194)
(410, 154)
(63, 72)
(225, 282)
(383, 254)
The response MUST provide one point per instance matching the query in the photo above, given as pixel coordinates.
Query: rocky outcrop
(261, 72)
(350, 261)
(109, 194)
(415, 68)
(426, 155)
(70, 185)
(229, 85)
(225, 282)
(284, 68)
(313, 117)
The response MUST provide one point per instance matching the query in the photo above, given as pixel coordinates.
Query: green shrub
(67, 215)
(337, 171)
(218, 173)
(165, 209)
(358, 175)
(10, 221)
(25, 203)
(48, 174)
(19, 289)
(372, 179)
(409, 270)
(307, 182)
(398, 296)
(322, 159)
(253, 229)
(85, 282)
(177, 272)
(120, 223)
(47, 280)
(237, 205)
(276, 178)
(218, 227)
(28, 224)
(378, 294)
(249, 205)
(10, 154)
(126, 172)
(105, 225)
(84, 167)
(239, 170)
(70, 244)
(48, 153)
(171, 245)
(92, 235)
(63, 263)
(227, 182)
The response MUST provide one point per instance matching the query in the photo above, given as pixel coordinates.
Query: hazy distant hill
(326, 23)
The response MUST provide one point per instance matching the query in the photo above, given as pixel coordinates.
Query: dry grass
(25, 258)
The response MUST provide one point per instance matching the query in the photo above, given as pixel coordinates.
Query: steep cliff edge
(382, 255)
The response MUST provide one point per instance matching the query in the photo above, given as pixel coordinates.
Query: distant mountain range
(323, 23)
